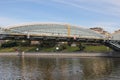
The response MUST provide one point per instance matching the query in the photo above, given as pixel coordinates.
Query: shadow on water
(35, 68)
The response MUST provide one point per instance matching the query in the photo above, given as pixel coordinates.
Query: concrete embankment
(63, 54)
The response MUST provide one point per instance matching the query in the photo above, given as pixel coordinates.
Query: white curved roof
(36, 23)
(49, 28)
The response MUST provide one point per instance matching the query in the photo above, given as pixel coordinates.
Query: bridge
(58, 32)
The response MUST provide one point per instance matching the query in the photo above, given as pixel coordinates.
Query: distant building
(118, 31)
(35, 42)
(101, 31)
(116, 35)
(97, 29)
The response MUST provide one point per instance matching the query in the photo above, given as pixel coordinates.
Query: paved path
(62, 54)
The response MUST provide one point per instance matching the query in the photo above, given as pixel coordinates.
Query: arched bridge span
(58, 32)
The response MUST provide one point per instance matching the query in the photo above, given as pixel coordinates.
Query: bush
(9, 44)
(15, 44)
(81, 46)
(47, 44)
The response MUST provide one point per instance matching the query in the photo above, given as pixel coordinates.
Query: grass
(101, 48)
(70, 49)
(6, 50)
(88, 48)
(52, 49)
(13, 49)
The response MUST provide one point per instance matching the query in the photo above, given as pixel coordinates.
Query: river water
(36, 68)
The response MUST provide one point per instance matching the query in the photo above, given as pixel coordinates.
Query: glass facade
(55, 30)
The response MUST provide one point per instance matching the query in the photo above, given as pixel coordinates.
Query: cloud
(4, 21)
(108, 7)
(105, 7)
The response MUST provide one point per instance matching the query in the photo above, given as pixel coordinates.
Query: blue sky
(85, 13)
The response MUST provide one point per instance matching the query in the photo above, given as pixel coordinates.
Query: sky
(84, 13)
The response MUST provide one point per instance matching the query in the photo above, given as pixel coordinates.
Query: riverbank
(62, 54)
(63, 49)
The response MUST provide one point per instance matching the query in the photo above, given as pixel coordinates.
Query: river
(37, 68)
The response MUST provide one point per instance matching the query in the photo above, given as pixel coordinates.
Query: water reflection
(35, 68)
(98, 67)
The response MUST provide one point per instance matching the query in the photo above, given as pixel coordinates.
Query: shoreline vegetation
(88, 49)
(51, 47)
